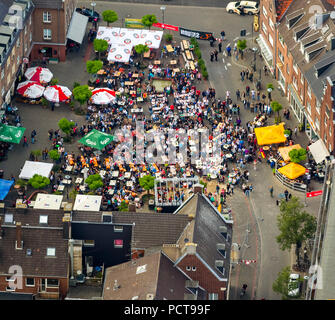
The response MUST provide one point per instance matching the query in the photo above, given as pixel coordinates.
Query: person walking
(25, 141)
(222, 35)
(32, 135)
(228, 48)
(271, 191)
(295, 131)
(216, 55)
(242, 75)
(220, 45)
(212, 56)
(286, 195)
(238, 94)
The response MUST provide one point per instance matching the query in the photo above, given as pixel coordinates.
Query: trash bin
(1, 174)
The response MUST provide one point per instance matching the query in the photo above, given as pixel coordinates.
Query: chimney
(197, 188)
(1, 230)
(132, 207)
(191, 248)
(66, 226)
(19, 242)
(116, 286)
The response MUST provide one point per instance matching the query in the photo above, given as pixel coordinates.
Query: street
(255, 224)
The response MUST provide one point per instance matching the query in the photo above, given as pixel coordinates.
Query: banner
(134, 23)
(195, 34)
(166, 26)
(313, 194)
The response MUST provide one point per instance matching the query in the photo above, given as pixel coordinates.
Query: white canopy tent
(151, 38)
(87, 203)
(119, 52)
(48, 201)
(318, 151)
(34, 167)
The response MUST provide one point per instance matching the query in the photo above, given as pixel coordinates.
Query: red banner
(313, 194)
(166, 26)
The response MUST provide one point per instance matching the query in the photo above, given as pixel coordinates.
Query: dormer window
(43, 219)
(9, 218)
(219, 264)
(221, 247)
(293, 18)
(51, 252)
(224, 231)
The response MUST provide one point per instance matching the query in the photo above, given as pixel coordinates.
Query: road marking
(236, 39)
(228, 64)
(222, 60)
(226, 67)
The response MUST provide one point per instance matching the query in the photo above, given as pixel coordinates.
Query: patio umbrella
(42, 75)
(30, 89)
(57, 93)
(11, 133)
(103, 96)
(97, 139)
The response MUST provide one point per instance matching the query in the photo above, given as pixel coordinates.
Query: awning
(319, 151)
(292, 170)
(5, 186)
(77, 27)
(85, 202)
(264, 48)
(270, 134)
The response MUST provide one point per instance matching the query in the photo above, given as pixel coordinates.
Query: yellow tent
(292, 170)
(270, 134)
(284, 151)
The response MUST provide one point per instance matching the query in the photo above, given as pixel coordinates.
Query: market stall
(48, 201)
(87, 203)
(11, 134)
(97, 139)
(270, 134)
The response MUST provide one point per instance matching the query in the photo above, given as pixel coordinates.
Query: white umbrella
(30, 89)
(42, 75)
(103, 96)
(57, 93)
(119, 52)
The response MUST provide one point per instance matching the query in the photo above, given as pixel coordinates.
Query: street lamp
(163, 10)
(93, 4)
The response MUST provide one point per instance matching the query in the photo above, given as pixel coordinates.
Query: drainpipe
(71, 256)
(275, 55)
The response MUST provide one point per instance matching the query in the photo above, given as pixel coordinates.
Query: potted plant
(287, 133)
(168, 37)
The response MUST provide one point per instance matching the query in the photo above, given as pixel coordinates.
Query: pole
(163, 16)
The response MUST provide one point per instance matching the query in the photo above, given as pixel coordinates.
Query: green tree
(109, 16)
(241, 46)
(82, 94)
(53, 81)
(54, 155)
(100, 45)
(148, 20)
(282, 284)
(298, 155)
(140, 49)
(270, 86)
(65, 125)
(147, 182)
(168, 37)
(276, 107)
(94, 181)
(36, 154)
(295, 225)
(76, 84)
(38, 181)
(123, 206)
(93, 66)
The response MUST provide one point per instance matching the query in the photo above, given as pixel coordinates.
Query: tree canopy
(294, 224)
(109, 16)
(276, 106)
(141, 48)
(147, 182)
(298, 155)
(94, 181)
(66, 125)
(100, 45)
(38, 181)
(123, 206)
(282, 284)
(93, 66)
(148, 20)
(241, 44)
(54, 155)
(82, 94)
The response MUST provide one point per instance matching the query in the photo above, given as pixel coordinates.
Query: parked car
(243, 7)
(294, 285)
(92, 15)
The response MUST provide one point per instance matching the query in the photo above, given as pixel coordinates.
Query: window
(270, 39)
(194, 268)
(18, 42)
(271, 24)
(30, 282)
(302, 78)
(295, 67)
(309, 91)
(309, 109)
(30, 36)
(46, 17)
(327, 111)
(8, 78)
(51, 252)
(265, 13)
(52, 283)
(317, 107)
(2, 73)
(118, 229)
(89, 243)
(287, 69)
(107, 218)
(43, 219)
(118, 243)
(294, 79)
(281, 57)
(317, 123)
(213, 296)
(18, 60)
(10, 279)
(330, 131)
(47, 34)
(281, 40)
(25, 30)
(264, 28)
(188, 268)
(8, 218)
(3, 91)
(9, 289)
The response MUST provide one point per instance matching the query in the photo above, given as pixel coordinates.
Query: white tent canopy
(119, 52)
(87, 203)
(34, 167)
(48, 201)
(318, 151)
(77, 27)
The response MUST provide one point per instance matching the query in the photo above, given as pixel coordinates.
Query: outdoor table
(185, 44)
(157, 62)
(129, 184)
(101, 71)
(102, 173)
(82, 188)
(173, 62)
(135, 75)
(229, 155)
(117, 74)
(188, 55)
(67, 177)
(115, 174)
(266, 148)
(111, 191)
(192, 65)
(112, 183)
(232, 175)
(226, 146)
(127, 175)
(146, 54)
(176, 70)
(139, 99)
(132, 92)
(66, 181)
(129, 83)
(61, 188)
(169, 48)
(79, 180)
(68, 168)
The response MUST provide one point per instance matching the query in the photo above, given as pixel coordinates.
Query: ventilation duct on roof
(320, 19)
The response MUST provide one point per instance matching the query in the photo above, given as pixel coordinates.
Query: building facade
(15, 46)
(51, 21)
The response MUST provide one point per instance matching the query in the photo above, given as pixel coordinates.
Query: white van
(248, 7)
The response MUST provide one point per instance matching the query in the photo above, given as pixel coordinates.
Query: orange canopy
(292, 170)
(270, 134)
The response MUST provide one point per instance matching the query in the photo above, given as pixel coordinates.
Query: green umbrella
(97, 139)
(11, 133)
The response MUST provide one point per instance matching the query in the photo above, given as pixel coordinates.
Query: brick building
(51, 21)
(300, 43)
(15, 45)
(32, 242)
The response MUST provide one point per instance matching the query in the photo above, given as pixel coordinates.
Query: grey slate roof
(48, 4)
(4, 6)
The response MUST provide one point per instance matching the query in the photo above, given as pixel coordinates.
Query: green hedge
(201, 62)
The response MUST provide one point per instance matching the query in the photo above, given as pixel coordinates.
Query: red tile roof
(281, 7)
